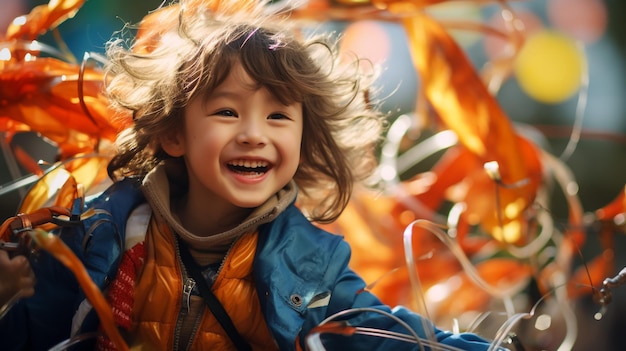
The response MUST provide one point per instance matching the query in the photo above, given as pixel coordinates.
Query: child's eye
(227, 113)
(277, 116)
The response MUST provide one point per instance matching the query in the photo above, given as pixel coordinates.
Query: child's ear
(172, 144)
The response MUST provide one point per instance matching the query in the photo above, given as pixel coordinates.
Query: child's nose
(252, 133)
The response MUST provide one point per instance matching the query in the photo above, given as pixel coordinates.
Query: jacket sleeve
(351, 306)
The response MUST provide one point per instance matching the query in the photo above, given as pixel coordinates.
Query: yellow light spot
(549, 68)
(512, 232)
(513, 209)
(508, 233)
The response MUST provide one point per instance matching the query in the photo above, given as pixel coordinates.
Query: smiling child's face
(241, 145)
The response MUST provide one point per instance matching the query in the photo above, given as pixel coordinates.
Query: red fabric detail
(120, 293)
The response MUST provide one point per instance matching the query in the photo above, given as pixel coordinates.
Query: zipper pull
(187, 289)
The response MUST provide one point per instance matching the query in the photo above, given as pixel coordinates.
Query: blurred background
(550, 106)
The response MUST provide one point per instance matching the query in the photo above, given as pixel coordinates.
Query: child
(234, 116)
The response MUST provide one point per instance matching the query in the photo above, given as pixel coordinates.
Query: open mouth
(248, 167)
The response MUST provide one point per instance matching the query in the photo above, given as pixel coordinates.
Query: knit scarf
(120, 294)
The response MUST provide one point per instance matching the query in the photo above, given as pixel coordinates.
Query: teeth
(248, 163)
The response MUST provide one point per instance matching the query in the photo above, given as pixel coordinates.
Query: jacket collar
(166, 181)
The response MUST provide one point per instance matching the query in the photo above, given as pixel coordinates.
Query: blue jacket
(301, 272)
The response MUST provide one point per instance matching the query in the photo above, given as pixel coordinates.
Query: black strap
(211, 300)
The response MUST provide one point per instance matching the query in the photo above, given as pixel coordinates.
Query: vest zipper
(188, 285)
(187, 289)
(188, 282)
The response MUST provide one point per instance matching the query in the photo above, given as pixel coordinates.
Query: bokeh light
(550, 67)
(10, 10)
(366, 39)
(585, 20)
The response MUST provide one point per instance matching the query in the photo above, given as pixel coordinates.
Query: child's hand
(17, 279)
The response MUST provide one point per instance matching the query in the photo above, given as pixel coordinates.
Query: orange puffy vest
(159, 289)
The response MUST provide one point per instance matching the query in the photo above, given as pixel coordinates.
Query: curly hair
(191, 53)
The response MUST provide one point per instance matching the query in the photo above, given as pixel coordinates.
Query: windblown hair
(191, 51)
